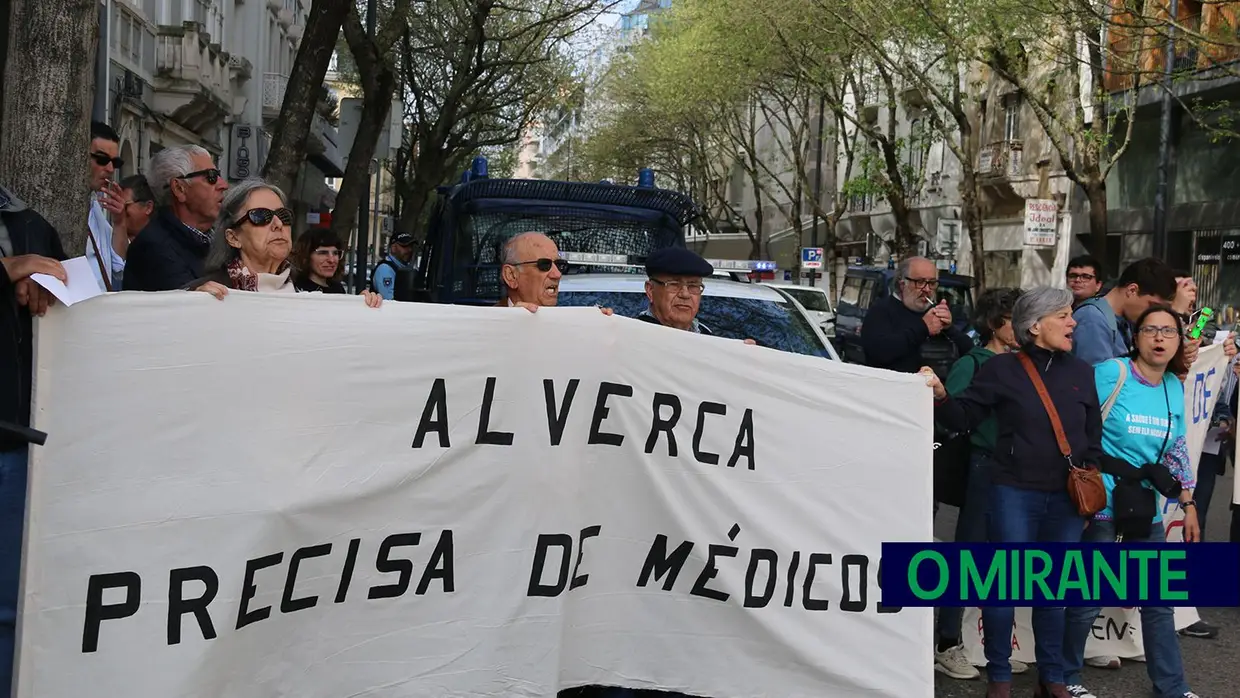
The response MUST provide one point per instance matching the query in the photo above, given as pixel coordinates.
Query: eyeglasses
(1081, 277)
(1166, 332)
(212, 175)
(544, 264)
(922, 283)
(694, 288)
(263, 216)
(102, 160)
(329, 252)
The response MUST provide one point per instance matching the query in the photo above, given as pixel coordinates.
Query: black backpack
(952, 453)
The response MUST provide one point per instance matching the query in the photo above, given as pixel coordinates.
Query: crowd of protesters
(182, 226)
(1061, 374)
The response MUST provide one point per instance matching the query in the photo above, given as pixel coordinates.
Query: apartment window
(1011, 117)
(127, 32)
(916, 146)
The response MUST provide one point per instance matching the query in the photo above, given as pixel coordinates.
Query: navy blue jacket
(897, 339)
(28, 233)
(165, 256)
(1026, 454)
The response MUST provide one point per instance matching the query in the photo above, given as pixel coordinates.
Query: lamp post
(1164, 142)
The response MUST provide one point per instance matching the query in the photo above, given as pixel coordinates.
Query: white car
(729, 309)
(815, 300)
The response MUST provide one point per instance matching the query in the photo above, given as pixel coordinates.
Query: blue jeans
(1028, 516)
(12, 520)
(1162, 646)
(1207, 473)
(971, 527)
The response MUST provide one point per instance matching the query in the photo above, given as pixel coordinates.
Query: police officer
(385, 280)
(674, 288)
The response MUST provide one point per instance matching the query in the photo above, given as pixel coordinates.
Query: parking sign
(811, 258)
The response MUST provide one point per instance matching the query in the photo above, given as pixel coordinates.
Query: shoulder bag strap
(107, 284)
(1119, 385)
(1051, 412)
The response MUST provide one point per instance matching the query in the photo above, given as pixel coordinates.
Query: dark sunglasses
(212, 175)
(102, 160)
(263, 216)
(544, 264)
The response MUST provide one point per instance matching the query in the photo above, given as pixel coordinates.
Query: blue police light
(645, 178)
(479, 168)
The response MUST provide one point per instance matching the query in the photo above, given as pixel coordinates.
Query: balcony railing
(183, 54)
(274, 86)
(1000, 161)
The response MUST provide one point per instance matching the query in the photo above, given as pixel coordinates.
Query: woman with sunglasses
(316, 262)
(250, 249)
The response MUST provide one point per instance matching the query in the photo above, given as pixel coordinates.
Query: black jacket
(1026, 452)
(304, 284)
(165, 256)
(897, 339)
(28, 233)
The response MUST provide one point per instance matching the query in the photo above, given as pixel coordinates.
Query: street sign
(811, 258)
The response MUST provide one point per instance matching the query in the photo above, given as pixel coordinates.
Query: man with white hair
(530, 272)
(169, 252)
(900, 328)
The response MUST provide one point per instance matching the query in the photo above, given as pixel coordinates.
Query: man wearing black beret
(675, 288)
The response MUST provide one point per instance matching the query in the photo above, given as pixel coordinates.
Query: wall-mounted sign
(1207, 250)
(1041, 222)
(243, 164)
(1230, 252)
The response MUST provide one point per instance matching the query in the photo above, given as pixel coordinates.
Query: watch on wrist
(1189, 503)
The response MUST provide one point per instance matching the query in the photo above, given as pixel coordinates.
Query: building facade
(210, 73)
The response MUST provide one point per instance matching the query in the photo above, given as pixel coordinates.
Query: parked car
(863, 286)
(731, 309)
(815, 300)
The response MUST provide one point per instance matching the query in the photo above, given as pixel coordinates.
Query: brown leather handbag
(1084, 483)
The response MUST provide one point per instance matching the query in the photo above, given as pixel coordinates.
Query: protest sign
(1117, 631)
(301, 496)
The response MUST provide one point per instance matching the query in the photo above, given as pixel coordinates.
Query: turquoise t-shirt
(1136, 428)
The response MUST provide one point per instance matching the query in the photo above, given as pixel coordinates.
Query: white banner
(300, 496)
(1117, 631)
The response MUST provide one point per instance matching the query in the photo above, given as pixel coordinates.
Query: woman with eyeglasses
(316, 262)
(1145, 451)
(252, 242)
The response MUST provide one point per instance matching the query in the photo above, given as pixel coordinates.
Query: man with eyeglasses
(674, 289)
(1084, 278)
(907, 329)
(169, 253)
(386, 279)
(107, 242)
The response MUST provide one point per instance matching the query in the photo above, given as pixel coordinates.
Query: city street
(1211, 666)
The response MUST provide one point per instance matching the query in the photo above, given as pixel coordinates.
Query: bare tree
(49, 83)
(301, 97)
(374, 60)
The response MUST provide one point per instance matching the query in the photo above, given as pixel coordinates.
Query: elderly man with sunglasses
(169, 253)
(530, 272)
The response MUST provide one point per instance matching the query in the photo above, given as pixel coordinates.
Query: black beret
(677, 261)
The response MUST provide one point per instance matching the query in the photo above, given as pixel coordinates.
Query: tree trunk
(301, 97)
(971, 218)
(375, 110)
(49, 88)
(1096, 192)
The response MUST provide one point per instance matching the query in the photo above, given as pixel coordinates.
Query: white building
(210, 73)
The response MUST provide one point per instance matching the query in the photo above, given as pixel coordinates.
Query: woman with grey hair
(252, 242)
(1029, 500)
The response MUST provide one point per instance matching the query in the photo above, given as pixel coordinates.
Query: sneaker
(1201, 629)
(1018, 667)
(1190, 694)
(1078, 691)
(1104, 662)
(955, 664)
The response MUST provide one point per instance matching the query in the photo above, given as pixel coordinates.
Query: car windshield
(774, 324)
(811, 299)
